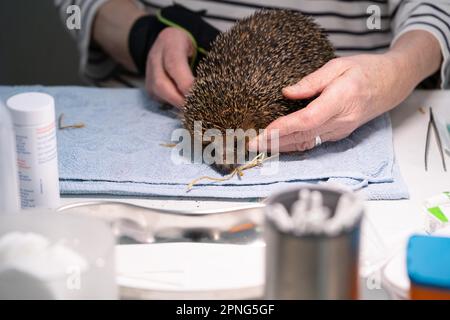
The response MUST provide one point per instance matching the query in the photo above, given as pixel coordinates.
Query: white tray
(190, 271)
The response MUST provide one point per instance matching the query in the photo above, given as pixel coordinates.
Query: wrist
(111, 27)
(403, 67)
(417, 54)
(141, 37)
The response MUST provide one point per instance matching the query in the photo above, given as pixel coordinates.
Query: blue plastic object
(428, 261)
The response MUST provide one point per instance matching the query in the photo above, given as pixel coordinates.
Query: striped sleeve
(432, 16)
(94, 64)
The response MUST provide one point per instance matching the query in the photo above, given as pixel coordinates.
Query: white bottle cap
(31, 108)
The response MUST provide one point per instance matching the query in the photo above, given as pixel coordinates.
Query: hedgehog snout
(233, 155)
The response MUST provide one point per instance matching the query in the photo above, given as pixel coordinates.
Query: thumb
(316, 82)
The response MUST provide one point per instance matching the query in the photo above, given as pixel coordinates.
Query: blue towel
(119, 152)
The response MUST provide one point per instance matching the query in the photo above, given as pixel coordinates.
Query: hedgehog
(239, 83)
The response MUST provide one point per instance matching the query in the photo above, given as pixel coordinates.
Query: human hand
(352, 90)
(168, 74)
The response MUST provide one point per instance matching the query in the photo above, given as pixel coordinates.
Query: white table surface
(388, 224)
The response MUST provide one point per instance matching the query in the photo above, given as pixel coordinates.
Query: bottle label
(38, 166)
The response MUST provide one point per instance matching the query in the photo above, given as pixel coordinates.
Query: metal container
(133, 224)
(312, 266)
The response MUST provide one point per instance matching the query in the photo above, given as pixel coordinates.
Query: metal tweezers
(432, 123)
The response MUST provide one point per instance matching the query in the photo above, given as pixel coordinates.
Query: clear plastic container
(91, 239)
(442, 118)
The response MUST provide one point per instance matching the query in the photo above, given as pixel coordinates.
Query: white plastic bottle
(33, 117)
(9, 188)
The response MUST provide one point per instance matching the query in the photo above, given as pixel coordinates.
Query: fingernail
(290, 89)
(293, 90)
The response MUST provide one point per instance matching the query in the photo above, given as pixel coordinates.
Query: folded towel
(119, 152)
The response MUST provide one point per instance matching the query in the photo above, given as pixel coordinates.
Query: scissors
(432, 124)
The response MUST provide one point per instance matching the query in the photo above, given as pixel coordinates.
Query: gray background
(34, 47)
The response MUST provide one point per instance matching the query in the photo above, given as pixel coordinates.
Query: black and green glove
(146, 29)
